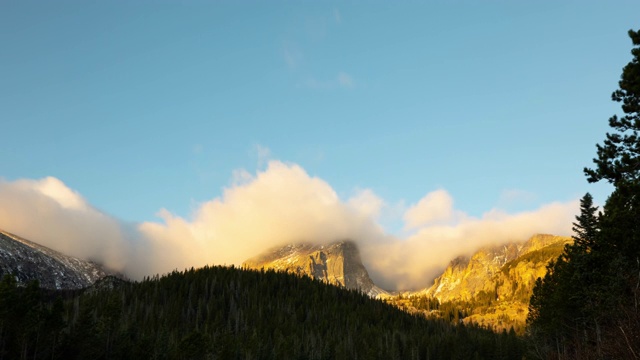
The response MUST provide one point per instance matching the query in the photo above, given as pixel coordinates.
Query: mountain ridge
(29, 261)
(492, 287)
(466, 276)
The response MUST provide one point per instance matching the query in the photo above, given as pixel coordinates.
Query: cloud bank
(279, 205)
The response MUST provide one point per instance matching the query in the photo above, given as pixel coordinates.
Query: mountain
(30, 261)
(336, 263)
(496, 282)
(487, 269)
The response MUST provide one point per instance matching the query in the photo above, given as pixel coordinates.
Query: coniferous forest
(228, 313)
(587, 305)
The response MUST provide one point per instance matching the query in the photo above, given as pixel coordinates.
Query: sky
(200, 129)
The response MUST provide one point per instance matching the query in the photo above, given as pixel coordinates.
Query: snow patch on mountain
(29, 261)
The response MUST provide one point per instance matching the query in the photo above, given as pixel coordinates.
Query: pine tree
(586, 228)
(618, 159)
(587, 304)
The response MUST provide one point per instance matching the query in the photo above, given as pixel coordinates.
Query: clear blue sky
(141, 105)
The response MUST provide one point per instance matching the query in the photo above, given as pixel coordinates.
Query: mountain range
(494, 284)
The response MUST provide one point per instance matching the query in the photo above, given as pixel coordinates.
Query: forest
(229, 313)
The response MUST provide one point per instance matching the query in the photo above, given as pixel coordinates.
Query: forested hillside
(228, 313)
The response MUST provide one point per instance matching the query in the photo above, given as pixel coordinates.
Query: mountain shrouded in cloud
(279, 205)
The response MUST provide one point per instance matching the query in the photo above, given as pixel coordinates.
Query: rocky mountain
(496, 282)
(30, 261)
(500, 269)
(337, 263)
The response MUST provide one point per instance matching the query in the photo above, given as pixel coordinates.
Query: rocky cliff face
(497, 281)
(337, 263)
(30, 261)
(503, 270)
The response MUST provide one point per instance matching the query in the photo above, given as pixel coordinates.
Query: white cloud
(58, 191)
(409, 262)
(282, 204)
(435, 207)
(278, 205)
(366, 202)
(48, 212)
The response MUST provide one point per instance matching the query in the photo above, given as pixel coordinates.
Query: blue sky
(145, 105)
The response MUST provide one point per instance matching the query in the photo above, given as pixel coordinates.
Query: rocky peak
(336, 263)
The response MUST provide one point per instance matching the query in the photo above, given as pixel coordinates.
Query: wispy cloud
(337, 16)
(341, 80)
(291, 55)
(262, 154)
(314, 30)
(197, 149)
(345, 80)
(514, 197)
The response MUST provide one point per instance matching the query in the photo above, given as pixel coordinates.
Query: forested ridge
(229, 313)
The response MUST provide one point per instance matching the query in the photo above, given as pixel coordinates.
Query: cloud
(366, 202)
(292, 56)
(513, 198)
(283, 204)
(197, 149)
(278, 205)
(345, 80)
(57, 191)
(48, 212)
(263, 154)
(337, 16)
(341, 80)
(407, 263)
(436, 207)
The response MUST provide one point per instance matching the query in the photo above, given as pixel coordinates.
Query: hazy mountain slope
(337, 263)
(466, 277)
(30, 261)
(493, 286)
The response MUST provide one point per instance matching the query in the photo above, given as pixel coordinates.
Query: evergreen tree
(586, 227)
(587, 305)
(618, 160)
